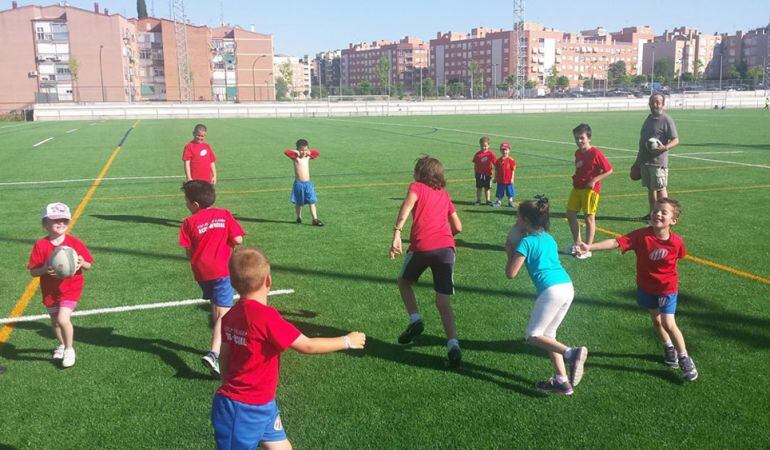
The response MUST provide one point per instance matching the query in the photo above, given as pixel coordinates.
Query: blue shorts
(482, 180)
(219, 291)
(242, 426)
(303, 193)
(666, 303)
(505, 190)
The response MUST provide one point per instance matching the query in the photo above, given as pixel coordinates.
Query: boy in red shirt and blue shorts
(198, 157)
(591, 167)
(505, 166)
(431, 245)
(483, 165)
(244, 412)
(208, 236)
(60, 295)
(658, 250)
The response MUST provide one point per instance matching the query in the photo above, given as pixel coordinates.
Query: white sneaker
(69, 358)
(585, 255)
(58, 353)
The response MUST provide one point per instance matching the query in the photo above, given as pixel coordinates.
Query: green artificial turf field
(139, 382)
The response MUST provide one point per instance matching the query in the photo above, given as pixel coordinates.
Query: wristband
(348, 346)
(397, 229)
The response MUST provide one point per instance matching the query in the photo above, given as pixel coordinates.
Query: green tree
(742, 69)
(664, 70)
(456, 88)
(755, 73)
(364, 88)
(74, 66)
(477, 87)
(281, 89)
(428, 87)
(697, 72)
(731, 73)
(141, 9)
(616, 73)
(553, 78)
(531, 84)
(640, 79)
(587, 83)
(287, 73)
(383, 74)
(562, 82)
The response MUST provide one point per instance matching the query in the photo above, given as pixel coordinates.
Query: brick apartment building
(325, 71)
(408, 61)
(299, 86)
(577, 56)
(690, 51)
(69, 54)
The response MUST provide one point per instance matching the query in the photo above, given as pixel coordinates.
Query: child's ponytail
(537, 212)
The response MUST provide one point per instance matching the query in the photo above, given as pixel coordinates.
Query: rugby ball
(514, 237)
(64, 261)
(653, 143)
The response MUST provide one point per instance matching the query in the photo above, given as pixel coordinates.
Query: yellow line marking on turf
(29, 291)
(705, 262)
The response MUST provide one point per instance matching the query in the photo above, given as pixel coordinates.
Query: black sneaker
(689, 371)
(671, 359)
(211, 361)
(576, 365)
(317, 223)
(551, 385)
(299, 221)
(454, 356)
(412, 331)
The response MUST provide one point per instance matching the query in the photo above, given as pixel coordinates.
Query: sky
(302, 27)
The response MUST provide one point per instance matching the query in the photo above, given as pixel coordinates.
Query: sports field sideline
(139, 383)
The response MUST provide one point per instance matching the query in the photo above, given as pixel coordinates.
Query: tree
(587, 83)
(141, 9)
(364, 88)
(731, 73)
(281, 89)
(697, 72)
(742, 69)
(640, 79)
(553, 78)
(664, 70)
(755, 73)
(530, 84)
(428, 87)
(477, 86)
(74, 70)
(616, 73)
(456, 88)
(383, 74)
(287, 73)
(562, 82)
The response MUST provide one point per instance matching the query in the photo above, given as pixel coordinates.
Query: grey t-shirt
(661, 127)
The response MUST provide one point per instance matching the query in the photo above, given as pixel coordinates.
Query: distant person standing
(651, 164)
(198, 157)
(767, 103)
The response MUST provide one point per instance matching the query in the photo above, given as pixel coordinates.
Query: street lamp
(652, 72)
(101, 71)
(253, 76)
(720, 70)
(494, 78)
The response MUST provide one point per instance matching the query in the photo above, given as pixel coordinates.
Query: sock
(414, 317)
(683, 355)
(560, 379)
(668, 344)
(569, 352)
(452, 343)
(216, 355)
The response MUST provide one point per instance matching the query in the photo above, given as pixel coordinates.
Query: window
(145, 54)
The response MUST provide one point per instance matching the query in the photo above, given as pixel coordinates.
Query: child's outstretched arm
(403, 214)
(515, 261)
(304, 344)
(607, 244)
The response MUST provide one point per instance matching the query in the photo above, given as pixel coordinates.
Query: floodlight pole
(652, 72)
(720, 70)
(101, 71)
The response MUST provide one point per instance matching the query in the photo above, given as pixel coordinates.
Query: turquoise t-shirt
(542, 260)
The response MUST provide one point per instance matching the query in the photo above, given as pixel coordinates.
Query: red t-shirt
(210, 233)
(484, 161)
(56, 289)
(504, 168)
(256, 335)
(293, 153)
(430, 219)
(589, 164)
(200, 156)
(655, 260)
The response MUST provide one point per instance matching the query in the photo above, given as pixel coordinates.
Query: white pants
(550, 308)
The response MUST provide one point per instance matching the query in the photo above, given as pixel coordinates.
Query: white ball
(653, 143)
(514, 237)
(64, 261)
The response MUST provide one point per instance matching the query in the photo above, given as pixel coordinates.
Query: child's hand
(49, 271)
(214, 179)
(356, 340)
(582, 248)
(395, 248)
(80, 263)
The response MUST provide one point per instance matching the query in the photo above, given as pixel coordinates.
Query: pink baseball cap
(57, 211)
(505, 145)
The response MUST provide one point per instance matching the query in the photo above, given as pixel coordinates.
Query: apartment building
(690, 51)
(751, 48)
(67, 54)
(325, 71)
(408, 60)
(299, 84)
(577, 56)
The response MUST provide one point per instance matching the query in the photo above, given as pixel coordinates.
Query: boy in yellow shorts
(591, 167)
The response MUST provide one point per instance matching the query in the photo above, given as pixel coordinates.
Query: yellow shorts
(585, 199)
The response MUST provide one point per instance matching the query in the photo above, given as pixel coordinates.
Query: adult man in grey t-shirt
(653, 164)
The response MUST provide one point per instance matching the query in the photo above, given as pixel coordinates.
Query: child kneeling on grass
(244, 412)
(538, 251)
(658, 250)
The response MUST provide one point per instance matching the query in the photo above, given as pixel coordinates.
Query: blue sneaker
(413, 330)
(689, 371)
(672, 358)
(576, 365)
(551, 385)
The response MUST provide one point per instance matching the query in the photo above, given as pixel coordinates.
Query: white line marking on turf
(78, 180)
(42, 142)
(72, 130)
(90, 312)
(673, 155)
(13, 126)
